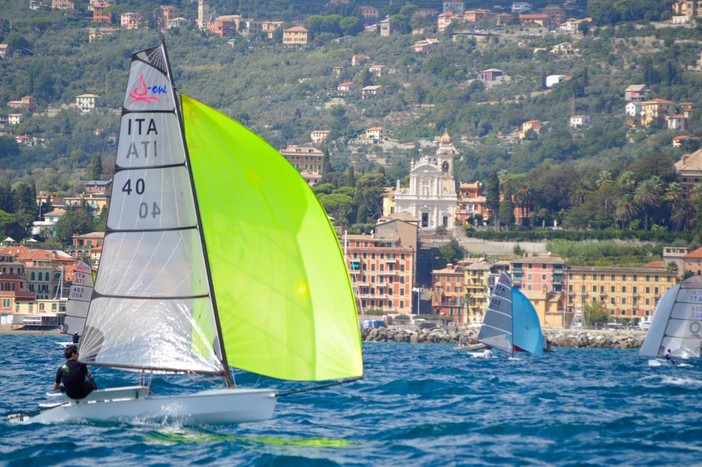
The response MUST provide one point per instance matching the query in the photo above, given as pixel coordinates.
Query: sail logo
(141, 92)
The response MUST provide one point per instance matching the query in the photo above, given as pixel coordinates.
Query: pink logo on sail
(139, 94)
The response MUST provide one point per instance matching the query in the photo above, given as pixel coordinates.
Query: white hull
(469, 347)
(664, 362)
(216, 406)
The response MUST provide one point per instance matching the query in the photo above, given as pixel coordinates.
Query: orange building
(382, 273)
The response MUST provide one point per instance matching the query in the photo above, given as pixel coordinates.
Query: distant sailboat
(511, 323)
(79, 299)
(217, 252)
(676, 324)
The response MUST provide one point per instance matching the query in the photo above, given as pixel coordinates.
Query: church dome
(445, 138)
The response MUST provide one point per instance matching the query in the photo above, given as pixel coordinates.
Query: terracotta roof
(692, 161)
(694, 254)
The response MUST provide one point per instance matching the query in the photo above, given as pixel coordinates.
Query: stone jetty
(581, 338)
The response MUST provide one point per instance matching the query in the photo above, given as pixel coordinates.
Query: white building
(552, 80)
(431, 197)
(87, 102)
(521, 7)
(633, 109)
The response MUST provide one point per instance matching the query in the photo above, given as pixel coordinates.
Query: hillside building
(431, 195)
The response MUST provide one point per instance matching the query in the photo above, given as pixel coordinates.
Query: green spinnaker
(284, 298)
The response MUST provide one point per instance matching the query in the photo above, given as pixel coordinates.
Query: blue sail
(526, 328)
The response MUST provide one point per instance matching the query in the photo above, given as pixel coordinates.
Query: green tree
(8, 147)
(506, 213)
(595, 314)
(492, 197)
(338, 206)
(451, 252)
(75, 221)
(369, 191)
(6, 219)
(96, 167)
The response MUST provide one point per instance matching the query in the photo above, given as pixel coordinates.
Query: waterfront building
(629, 293)
(382, 272)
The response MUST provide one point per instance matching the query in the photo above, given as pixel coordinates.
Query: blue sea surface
(419, 404)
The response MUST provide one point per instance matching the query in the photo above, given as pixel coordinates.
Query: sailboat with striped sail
(676, 329)
(78, 301)
(217, 253)
(511, 323)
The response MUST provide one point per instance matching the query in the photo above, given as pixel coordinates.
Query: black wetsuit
(73, 375)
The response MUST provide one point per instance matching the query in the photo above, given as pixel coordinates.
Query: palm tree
(648, 196)
(579, 194)
(604, 179)
(524, 199)
(626, 181)
(625, 211)
(674, 197)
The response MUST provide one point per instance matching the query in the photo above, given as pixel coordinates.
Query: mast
(511, 297)
(178, 110)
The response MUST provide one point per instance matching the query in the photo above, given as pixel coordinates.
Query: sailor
(669, 358)
(73, 375)
(75, 338)
(487, 353)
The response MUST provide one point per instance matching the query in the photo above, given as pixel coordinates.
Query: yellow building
(626, 292)
(296, 35)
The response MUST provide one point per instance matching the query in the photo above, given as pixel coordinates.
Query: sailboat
(78, 301)
(511, 323)
(676, 324)
(216, 254)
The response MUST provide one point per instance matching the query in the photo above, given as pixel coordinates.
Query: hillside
(285, 93)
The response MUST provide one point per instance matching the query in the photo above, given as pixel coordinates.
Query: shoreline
(7, 329)
(564, 338)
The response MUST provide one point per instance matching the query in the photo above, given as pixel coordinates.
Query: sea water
(419, 404)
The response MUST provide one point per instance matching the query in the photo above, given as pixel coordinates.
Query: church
(431, 196)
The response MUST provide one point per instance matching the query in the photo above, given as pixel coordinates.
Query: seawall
(581, 338)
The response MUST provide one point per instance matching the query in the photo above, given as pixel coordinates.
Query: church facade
(431, 196)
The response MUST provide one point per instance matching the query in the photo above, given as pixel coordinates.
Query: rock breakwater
(581, 338)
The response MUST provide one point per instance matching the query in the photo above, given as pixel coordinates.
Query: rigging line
(321, 386)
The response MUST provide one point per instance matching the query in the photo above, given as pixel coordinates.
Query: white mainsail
(677, 322)
(152, 271)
